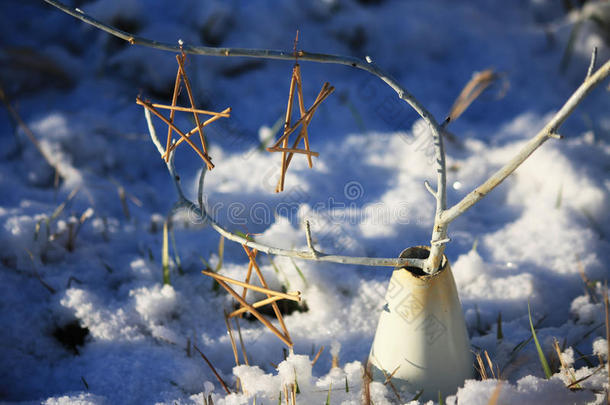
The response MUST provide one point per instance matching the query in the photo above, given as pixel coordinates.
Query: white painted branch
(366, 65)
(592, 63)
(546, 132)
(310, 254)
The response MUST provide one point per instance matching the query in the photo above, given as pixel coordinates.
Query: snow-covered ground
(86, 319)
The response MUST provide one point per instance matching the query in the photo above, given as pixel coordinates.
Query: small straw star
(272, 296)
(296, 82)
(181, 77)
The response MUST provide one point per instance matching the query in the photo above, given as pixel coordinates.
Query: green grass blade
(541, 356)
(165, 256)
(346, 386)
(499, 333)
(328, 395)
(298, 269)
(440, 399)
(243, 235)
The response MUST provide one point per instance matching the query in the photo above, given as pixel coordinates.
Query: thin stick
(312, 109)
(293, 394)
(241, 342)
(257, 304)
(312, 249)
(303, 111)
(324, 92)
(172, 107)
(30, 134)
(224, 385)
(541, 137)
(276, 309)
(172, 113)
(280, 186)
(203, 156)
(257, 314)
(189, 92)
(230, 332)
(491, 366)
(315, 359)
(294, 297)
(248, 275)
(294, 150)
(592, 63)
(192, 131)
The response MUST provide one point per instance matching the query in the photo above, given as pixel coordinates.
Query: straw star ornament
(281, 145)
(171, 145)
(272, 296)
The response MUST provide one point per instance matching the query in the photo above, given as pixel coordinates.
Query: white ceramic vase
(421, 336)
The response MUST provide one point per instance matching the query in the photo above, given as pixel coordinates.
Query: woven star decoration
(184, 137)
(281, 145)
(272, 296)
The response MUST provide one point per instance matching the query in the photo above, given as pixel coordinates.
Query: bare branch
(592, 63)
(310, 254)
(309, 241)
(429, 188)
(546, 132)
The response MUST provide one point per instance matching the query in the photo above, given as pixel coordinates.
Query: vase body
(421, 336)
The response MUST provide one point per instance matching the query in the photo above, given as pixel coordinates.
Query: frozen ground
(92, 323)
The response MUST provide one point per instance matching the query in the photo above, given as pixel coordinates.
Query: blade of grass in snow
(346, 386)
(417, 396)
(440, 399)
(176, 256)
(499, 333)
(541, 356)
(330, 387)
(165, 256)
(298, 269)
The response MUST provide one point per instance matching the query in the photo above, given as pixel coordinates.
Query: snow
(131, 339)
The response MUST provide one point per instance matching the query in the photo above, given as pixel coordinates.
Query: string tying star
(171, 145)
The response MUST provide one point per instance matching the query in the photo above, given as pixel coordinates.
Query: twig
(276, 309)
(550, 128)
(256, 314)
(224, 114)
(591, 64)
(201, 125)
(172, 113)
(230, 332)
(312, 249)
(293, 297)
(241, 342)
(180, 58)
(257, 304)
(315, 359)
(152, 109)
(30, 135)
(429, 188)
(224, 385)
(294, 150)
